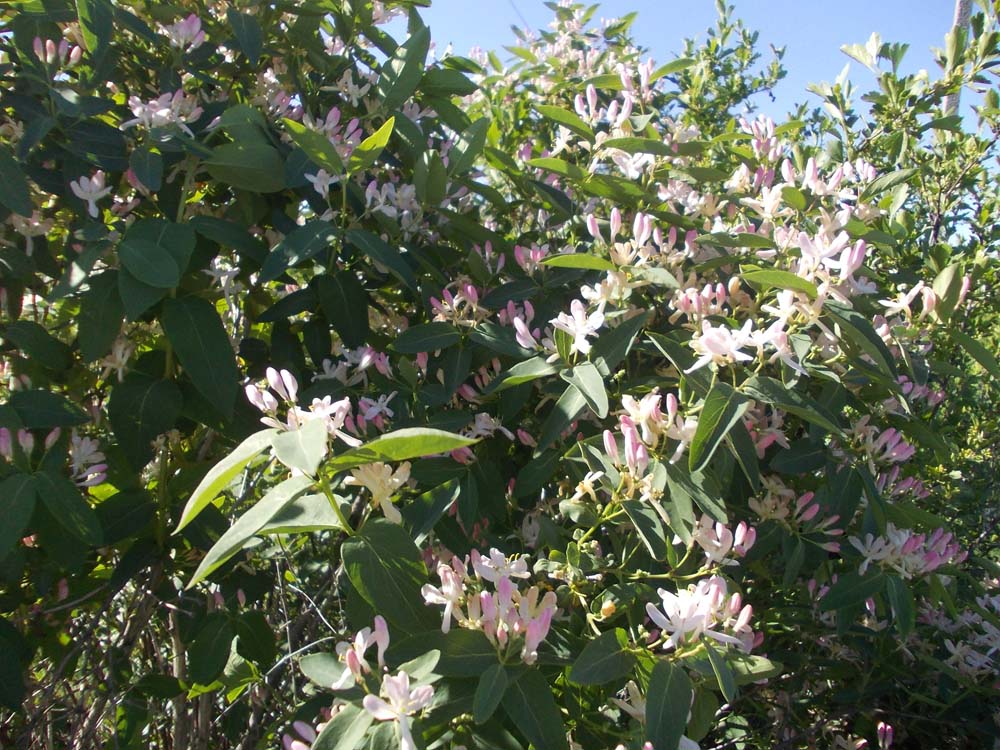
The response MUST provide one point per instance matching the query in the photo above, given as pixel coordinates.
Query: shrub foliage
(371, 395)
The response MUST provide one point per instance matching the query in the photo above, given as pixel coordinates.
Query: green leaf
(202, 346)
(370, 148)
(773, 392)
(124, 515)
(247, 525)
(648, 526)
(147, 165)
(468, 147)
(149, 263)
(947, 286)
(430, 178)
(426, 337)
(860, 332)
(209, 651)
(904, 611)
(569, 119)
(674, 66)
(668, 701)
(299, 245)
(323, 670)
(851, 589)
(498, 338)
(98, 143)
(522, 372)
(400, 75)
(40, 409)
(742, 447)
(317, 146)
(62, 499)
(157, 252)
(978, 352)
(388, 570)
(793, 560)
(345, 730)
(18, 493)
(220, 475)
(14, 658)
(400, 445)
(724, 675)
(96, 24)
(136, 296)
(749, 668)
(558, 166)
(383, 254)
(464, 653)
(887, 182)
(345, 305)
(586, 379)
(738, 239)
(773, 277)
(722, 409)
(444, 82)
(686, 488)
(531, 707)
(15, 194)
(302, 449)
(140, 409)
(803, 457)
(36, 343)
(794, 197)
(489, 692)
(640, 146)
(579, 260)
(248, 34)
(613, 345)
(566, 409)
(256, 638)
(256, 167)
(101, 316)
(304, 514)
(604, 659)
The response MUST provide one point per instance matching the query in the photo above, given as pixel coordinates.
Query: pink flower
(90, 190)
(401, 703)
(579, 325)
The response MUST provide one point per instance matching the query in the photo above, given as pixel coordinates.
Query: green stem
(325, 486)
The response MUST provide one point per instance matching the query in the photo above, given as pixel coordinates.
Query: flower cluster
(334, 414)
(704, 608)
(509, 616)
(906, 552)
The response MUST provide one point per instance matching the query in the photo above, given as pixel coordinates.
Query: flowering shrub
(608, 414)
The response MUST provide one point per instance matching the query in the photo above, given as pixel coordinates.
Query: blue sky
(811, 30)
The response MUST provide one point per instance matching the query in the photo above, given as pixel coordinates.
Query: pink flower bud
(26, 441)
(593, 228)
(611, 447)
(616, 222)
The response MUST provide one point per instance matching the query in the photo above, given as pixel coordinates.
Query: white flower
(383, 483)
(90, 190)
(579, 325)
(700, 609)
(322, 181)
(117, 360)
(497, 566)
(186, 34)
(401, 703)
(720, 345)
(177, 108)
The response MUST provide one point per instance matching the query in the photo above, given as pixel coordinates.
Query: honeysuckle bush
(360, 394)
